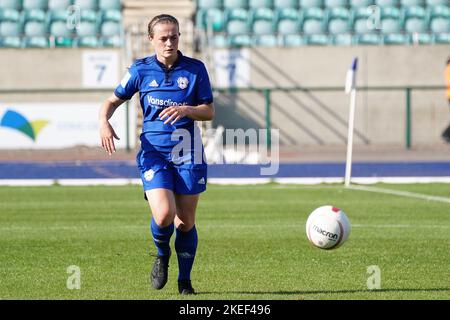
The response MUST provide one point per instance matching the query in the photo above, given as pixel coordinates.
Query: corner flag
(350, 87)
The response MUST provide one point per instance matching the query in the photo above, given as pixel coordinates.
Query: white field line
(406, 194)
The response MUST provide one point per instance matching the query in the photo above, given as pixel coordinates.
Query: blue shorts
(157, 171)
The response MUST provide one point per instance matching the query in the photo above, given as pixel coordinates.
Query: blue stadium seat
(109, 5)
(35, 42)
(421, 38)
(367, 39)
(238, 21)
(241, 40)
(110, 15)
(313, 21)
(387, 3)
(35, 4)
(34, 15)
(338, 20)
(87, 42)
(35, 29)
(304, 4)
(213, 17)
(279, 4)
(10, 42)
(59, 29)
(87, 29)
(412, 3)
(220, 41)
(361, 3)
(415, 25)
(395, 39)
(89, 15)
(207, 4)
(110, 29)
(9, 15)
(438, 12)
(336, 3)
(10, 29)
(293, 40)
(265, 40)
(11, 4)
(389, 25)
(113, 42)
(318, 40)
(288, 26)
(440, 25)
(59, 4)
(86, 4)
(442, 38)
(234, 4)
(254, 4)
(263, 21)
(344, 39)
(433, 3)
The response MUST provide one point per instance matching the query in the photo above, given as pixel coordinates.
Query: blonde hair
(162, 18)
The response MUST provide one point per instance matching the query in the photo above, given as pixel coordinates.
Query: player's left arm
(202, 112)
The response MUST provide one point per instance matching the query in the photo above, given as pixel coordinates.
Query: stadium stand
(61, 23)
(321, 22)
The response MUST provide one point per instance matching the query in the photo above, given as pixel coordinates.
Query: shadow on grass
(307, 292)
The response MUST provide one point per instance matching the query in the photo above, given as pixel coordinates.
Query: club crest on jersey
(182, 82)
(149, 174)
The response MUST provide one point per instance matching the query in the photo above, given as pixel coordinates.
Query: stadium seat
(336, 3)
(35, 42)
(280, 4)
(363, 26)
(10, 29)
(265, 40)
(59, 4)
(263, 21)
(293, 40)
(9, 15)
(214, 17)
(35, 29)
(89, 15)
(10, 42)
(433, 3)
(59, 29)
(114, 42)
(440, 25)
(242, 40)
(288, 26)
(237, 21)
(313, 21)
(390, 13)
(414, 25)
(86, 4)
(86, 42)
(11, 4)
(389, 25)
(109, 5)
(87, 29)
(110, 15)
(413, 12)
(442, 38)
(421, 38)
(110, 29)
(439, 12)
(367, 39)
(387, 3)
(304, 4)
(234, 4)
(62, 42)
(338, 26)
(219, 41)
(395, 39)
(361, 3)
(207, 4)
(35, 4)
(254, 4)
(318, 40)
(411, 3)
(344, 39)
(34, 15)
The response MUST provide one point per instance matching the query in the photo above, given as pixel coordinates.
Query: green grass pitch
(252, 244)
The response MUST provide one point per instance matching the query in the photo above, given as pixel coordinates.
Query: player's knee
(185, 224)
(164, 218)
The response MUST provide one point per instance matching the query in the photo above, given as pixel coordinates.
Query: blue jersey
(185, 83)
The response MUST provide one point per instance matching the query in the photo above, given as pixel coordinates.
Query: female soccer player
(174, 91)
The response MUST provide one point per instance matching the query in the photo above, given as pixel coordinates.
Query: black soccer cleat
(158, 276)
(185, 287)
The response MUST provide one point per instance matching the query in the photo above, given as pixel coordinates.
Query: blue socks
(161, 238)
(186, 246)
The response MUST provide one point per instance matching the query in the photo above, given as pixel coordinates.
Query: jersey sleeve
(204, 91)
(129, 84)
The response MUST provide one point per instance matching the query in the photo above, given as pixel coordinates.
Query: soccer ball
(327, 227)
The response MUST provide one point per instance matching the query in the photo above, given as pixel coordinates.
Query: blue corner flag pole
(350, 87)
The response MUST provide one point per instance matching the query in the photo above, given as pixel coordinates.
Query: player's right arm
(107, 133)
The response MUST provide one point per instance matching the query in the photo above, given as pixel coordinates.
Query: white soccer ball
(327, 227)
